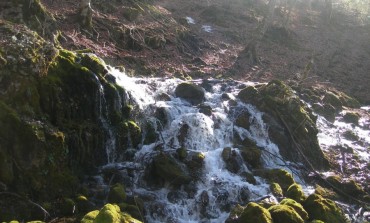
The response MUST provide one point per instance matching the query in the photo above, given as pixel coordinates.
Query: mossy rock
(289, 118)
(349, 187)
(108, 214)
(351, 117)
(251, 153)
(280, 176)
(276, 190)
(326, 192)
(323, 209)
(295, 192)
(249, 95)
(333, 100)
(117, 194)
(284, 213)
(235, 214)
(296, 206)
(254, 213)
(166, 168)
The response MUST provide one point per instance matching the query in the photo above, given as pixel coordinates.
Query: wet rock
(165, 168)
(326, 110)
(163, 97)
(333, 100)
(248, 95)
(231, 159)
(251, 153)
(249, 178)
(291, 119)
(190, 92)
(351, 117)
(205, 109)
(285, 213)
(282, 177)
(176, 197)
(162, 115)
(183, 134)
(323, 209)
(243, 120)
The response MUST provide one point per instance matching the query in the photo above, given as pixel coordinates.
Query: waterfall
(209, 198)
(102, 111)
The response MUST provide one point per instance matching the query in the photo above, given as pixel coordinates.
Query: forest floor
(203, 39)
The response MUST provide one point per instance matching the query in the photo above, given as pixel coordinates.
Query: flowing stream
(210, 197)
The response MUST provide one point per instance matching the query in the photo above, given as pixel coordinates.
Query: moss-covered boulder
(58, 110)
(108, 214)
(295, 192)
(254, 213)
(296, 206)
(117, 194)
(292, 125)
(276, 190)
(190, 92)
(323, 209)
(280, 176)
(251, 153)
(166, 169)
(345, 187)
(284, 213)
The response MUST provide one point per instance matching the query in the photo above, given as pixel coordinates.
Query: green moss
(285, 214)
(280, 176)
(296, 206)
(90, 217)
(295, 192)
(254, 213)
(108, 214)
(286, 113)
(323, 209)
(170, 170)
(117, 194)
(276, 190)
(235, 213)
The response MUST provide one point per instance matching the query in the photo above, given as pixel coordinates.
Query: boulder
(280, 176)
(116, 194)
(108, 214)
(254, 213)
(295, 192)
(296, 206)
(165, 168)
(292, 123)
(284, 213)
(190, 92)
(326, 210)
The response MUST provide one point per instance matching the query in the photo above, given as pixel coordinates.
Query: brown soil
(308, 49)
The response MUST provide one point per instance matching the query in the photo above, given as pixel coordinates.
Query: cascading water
(102, 111)
(210, 197)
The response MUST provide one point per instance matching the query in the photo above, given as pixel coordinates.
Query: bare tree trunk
(85, 14)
